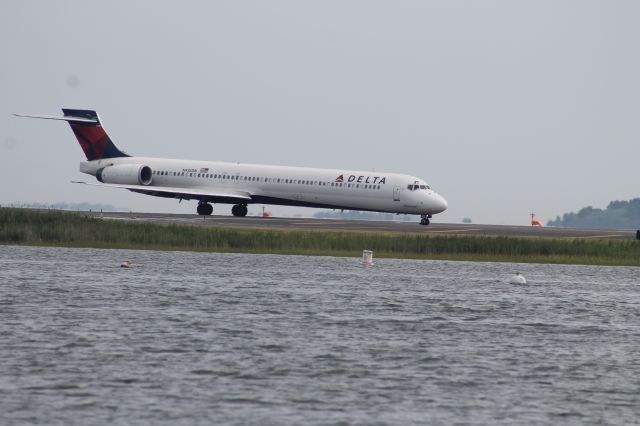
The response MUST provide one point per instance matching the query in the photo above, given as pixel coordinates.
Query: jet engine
(125, 174)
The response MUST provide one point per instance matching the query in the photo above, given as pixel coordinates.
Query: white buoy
(367, 257)
(517, 279)
(126, 264)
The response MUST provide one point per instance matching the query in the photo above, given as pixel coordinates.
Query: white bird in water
(518, 279)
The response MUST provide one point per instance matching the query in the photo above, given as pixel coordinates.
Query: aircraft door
(396, 193)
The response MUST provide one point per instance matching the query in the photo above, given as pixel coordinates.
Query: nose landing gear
(239, 210)
(204, 209)
(425, 219)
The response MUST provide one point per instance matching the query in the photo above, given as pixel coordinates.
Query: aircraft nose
(441, 203)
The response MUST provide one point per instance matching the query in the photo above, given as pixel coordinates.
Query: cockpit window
(416, 187)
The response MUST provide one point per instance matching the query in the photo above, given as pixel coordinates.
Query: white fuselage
(296, 186)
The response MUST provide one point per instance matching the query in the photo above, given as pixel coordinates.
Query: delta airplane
(242, 184)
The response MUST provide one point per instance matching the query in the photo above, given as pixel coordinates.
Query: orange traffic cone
(535, 222)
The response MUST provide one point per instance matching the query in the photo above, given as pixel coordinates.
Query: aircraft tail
(92, 137)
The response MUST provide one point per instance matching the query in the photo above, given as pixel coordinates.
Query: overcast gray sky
(505, 107)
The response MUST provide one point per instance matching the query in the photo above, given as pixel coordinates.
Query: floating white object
(367, 257)
(517, 279)
(126, 264)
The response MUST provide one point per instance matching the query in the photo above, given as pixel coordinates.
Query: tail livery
(91, 136)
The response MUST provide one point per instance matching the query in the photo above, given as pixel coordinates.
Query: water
(192, 338)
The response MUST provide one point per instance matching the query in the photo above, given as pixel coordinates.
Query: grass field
(66, 229)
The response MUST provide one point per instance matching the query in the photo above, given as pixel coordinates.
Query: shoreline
(22, 227)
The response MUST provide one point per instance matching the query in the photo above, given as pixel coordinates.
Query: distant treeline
(617, 215)
(67, 229)
(96, 207)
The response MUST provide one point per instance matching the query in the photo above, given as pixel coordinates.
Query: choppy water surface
(192, 338)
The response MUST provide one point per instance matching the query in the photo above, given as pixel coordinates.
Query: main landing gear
(239, 210)
(425, 219)
(205, 209)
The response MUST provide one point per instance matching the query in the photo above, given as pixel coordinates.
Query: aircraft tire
(239, 210)
(204, 209)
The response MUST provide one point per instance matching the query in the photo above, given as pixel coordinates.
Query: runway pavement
(371, 226)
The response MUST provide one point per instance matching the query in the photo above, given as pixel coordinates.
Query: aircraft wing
(184, 193)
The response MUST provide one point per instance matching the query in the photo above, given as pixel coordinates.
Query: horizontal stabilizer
(64, 118)
(91, 136)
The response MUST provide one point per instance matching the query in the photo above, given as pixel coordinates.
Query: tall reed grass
(55, 228)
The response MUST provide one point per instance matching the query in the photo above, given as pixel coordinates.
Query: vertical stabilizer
(92, 137)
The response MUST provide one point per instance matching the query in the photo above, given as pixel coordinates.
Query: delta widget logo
(376, 180)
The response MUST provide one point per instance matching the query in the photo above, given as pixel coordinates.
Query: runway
(255, 222)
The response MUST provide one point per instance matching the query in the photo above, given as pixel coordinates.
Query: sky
(504, 107)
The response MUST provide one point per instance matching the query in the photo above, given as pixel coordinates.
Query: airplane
(243, 184)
